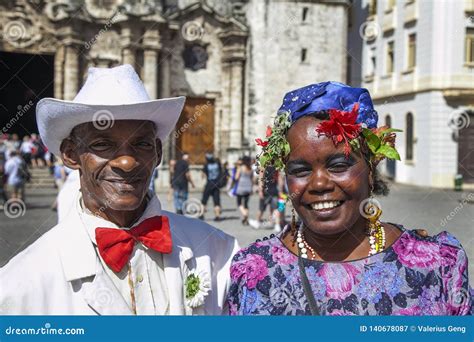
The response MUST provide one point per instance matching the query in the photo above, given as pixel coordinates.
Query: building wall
(440, 28)
(278, 34)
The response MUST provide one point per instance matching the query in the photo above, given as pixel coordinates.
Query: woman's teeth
(325, 205)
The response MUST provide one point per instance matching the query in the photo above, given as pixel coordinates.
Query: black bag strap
(313, 307)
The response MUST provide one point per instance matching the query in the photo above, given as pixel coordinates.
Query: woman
(341, 259)
(244, 180)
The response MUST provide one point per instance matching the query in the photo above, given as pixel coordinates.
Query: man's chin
(126, 203)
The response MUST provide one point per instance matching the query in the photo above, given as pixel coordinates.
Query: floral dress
(414, 276)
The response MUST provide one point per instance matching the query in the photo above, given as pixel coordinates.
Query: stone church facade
(234, 60)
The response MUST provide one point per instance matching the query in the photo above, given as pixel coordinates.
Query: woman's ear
(69, 154)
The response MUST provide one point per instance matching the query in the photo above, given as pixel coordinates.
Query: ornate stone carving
(20, 31)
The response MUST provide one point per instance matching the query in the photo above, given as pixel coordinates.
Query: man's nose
(125, 163)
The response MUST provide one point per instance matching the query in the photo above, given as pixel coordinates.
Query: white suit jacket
(60, 273)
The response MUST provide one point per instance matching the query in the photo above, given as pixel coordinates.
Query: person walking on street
(213, 172)
(268, 192)
(244, 179)
(181, 178)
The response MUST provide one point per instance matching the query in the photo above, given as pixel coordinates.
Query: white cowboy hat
(108, 95)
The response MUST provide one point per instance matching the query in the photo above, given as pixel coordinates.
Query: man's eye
(101, 144)
(143, 144)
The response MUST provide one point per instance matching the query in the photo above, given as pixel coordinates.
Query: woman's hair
(380, 185)
(247, 161)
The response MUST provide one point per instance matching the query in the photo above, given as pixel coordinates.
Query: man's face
(116, 163)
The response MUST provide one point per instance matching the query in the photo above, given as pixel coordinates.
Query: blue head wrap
(330, 95)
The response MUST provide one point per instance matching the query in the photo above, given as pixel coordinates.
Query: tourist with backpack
(214, 175)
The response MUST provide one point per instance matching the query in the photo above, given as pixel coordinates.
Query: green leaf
(388, 151)
(286, 148)
(373, 141)
(390, 130)
(355, 144)
(264, 159)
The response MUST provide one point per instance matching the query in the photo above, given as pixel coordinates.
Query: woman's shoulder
(269, 248)
(443, 238)
(429, 250)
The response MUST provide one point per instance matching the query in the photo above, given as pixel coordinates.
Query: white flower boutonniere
(197, 287)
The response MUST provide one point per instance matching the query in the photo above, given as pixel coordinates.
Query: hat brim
(57, 118)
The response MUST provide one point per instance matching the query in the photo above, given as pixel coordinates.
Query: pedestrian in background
(60, 174)
(3, 178)
(172, 164)
(268, 192)
(244, 179)
(213, 173)
(232, 187)
(154, 176)
(181, 178)
(26, 149)
(17, 173)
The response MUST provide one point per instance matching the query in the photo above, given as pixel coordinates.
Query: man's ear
(69, 154)
(159, 151)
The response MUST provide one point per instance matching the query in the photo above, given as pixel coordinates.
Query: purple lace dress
(415, 276)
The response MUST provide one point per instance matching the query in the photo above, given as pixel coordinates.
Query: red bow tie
(116, 245)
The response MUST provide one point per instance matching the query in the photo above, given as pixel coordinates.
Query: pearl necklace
(376, 241)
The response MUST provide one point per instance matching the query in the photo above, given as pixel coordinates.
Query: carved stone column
(71, 71)
(233, 66)
(59, 73)
(128, 48)
(151, 47)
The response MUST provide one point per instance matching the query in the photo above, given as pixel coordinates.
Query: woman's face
(319, 175)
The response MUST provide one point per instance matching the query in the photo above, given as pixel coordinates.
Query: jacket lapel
(102, 295)
(82, 266)
(175, 272)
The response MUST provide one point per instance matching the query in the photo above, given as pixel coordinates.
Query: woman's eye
(339, 167)
(300, 172)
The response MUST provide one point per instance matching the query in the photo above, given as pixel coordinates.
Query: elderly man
(116, 251)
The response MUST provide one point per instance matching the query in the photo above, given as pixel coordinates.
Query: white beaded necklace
(304, 247)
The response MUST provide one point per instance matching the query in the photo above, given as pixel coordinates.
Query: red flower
(261, 143)
(269, 131)
(341, 126)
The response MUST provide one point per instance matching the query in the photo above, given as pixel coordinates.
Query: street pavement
(414, 207)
